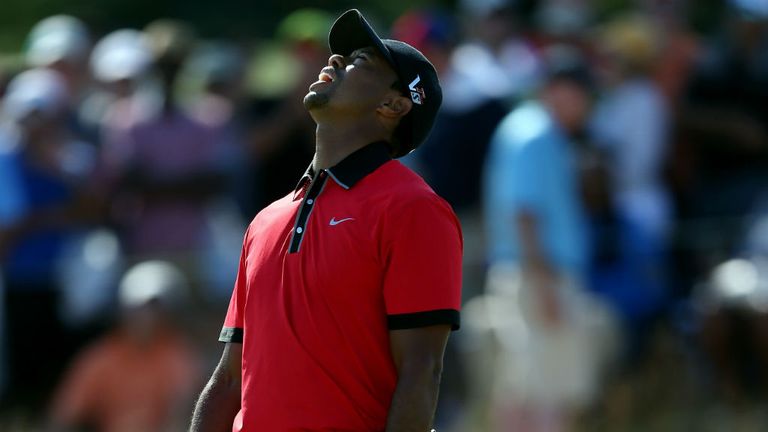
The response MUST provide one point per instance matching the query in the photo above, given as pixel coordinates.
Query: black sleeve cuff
(231, 334)
(424, 319)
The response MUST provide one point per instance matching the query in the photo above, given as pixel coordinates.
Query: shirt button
(310, 201)
(299, 230)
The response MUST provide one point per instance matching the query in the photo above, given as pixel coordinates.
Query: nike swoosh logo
(335, 222)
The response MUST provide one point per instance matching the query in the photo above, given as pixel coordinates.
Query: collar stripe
(354, 167)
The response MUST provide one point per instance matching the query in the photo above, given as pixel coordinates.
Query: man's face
(355, 84)
(571, 100)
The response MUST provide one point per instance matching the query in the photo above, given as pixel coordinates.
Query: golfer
(349, 286)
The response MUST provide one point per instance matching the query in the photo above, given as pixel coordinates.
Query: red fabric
(316, 351)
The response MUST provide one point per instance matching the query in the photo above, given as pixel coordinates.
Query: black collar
(354, 167)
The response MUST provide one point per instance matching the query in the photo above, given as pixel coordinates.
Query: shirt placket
(308, 203)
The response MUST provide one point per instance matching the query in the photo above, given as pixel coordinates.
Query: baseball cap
(418, 77)
(56, 38)
(36, 90)
(122, 54)
(152, 281)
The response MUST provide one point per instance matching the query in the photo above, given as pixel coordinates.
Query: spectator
(42, 173)
(141, 376)
(630, 127)
(167, 170)
(496, 59)
(120, 63)
(216, 70)
(539, 251)
(62, 43)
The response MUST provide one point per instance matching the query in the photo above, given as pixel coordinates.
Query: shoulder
(276, 206)
(99, 354)
(406, 187)
(275, 211)
(523, 127)
(409, 197)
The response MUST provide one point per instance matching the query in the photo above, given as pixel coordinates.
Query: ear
(394, 106)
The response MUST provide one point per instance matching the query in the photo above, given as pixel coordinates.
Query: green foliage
(240, 19)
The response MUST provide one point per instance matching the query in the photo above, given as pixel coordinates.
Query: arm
(220, 400)
(418, 357)
(537, 268)
(81, 210)
(530, 246)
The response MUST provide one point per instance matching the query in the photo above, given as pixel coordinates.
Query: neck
(334, 142)
(561, 119)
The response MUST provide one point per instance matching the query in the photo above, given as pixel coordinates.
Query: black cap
(419, 79)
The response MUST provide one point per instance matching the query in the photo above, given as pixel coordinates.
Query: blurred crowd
(610, 172)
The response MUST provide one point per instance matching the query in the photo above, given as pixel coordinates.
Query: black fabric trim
(424, 319)
(361, 163)
(354, 167)
(305, 209)
(231, 334)
(346, 173)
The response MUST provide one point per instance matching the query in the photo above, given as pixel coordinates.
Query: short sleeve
(232, 331)
(422, 251)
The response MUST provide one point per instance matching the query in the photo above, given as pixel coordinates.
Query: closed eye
(362, 54)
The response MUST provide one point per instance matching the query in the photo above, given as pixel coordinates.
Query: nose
(336, 61)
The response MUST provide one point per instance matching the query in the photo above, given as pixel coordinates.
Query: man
(349, 286)
(538, 255)
(44, 172)
(139, 375)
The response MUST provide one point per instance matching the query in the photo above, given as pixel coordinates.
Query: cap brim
(351, 31)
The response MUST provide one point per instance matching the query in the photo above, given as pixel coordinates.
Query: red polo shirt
(326, 272)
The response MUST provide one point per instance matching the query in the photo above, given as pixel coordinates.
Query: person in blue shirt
(42, 170)
(539, 253)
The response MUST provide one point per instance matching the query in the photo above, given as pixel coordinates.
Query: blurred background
(138, 138)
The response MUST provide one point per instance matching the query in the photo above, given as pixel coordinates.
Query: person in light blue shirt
(534, 215)
(531, 171)
(555, 336)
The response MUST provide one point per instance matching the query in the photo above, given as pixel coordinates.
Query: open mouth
(325, 75)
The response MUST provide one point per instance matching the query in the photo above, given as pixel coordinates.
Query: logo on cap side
(417, 93)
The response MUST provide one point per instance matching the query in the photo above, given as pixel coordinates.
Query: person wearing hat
(139, 375)
(348, 286)
(44, 172)
(60, 43)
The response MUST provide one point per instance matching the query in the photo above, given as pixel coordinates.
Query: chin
(314, 100)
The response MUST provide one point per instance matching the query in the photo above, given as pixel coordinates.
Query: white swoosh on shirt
(335, 222)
